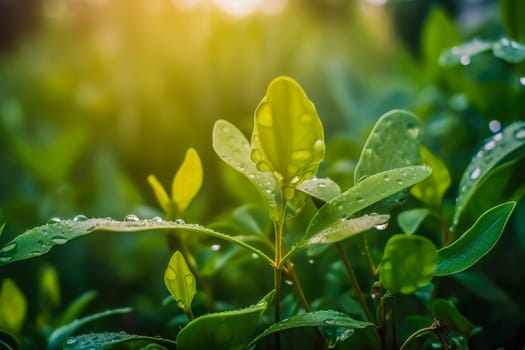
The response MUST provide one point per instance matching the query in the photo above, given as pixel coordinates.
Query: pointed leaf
(362, 195)
(409, 220)
(233, 148)
(161, 195)
(431, 190)
(408, 263)
(230, 330)
(13, 306)
(439, 33)
(476, 242)
(320, 318)
(114, 340)
(41, 239)
(288, 137)
(490, 154)
(392, 143)
(180, 281)
(77, 306)
(324, 189)
(187, 181)
(59, 335)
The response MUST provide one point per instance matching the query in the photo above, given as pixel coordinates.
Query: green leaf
(320, 318)
(321, 188)
(180, 281)
(187, 181)
(476, 242)
(288, 137)
(41, 239)
(445, 311)
(59, 335)
(114, 340)
(489, 155)
(461, 54)
(50, 286)
(252, 219)
(77, 306)
(509, 50)
(362, 195)
(431, 190)
(160, 194)
(408, 263)
(7, 342)
(480, 285)
(393, 143)
(234, 149)
(513, 17)
(230, 330)
(2, 228)
(13, 307)
(409, 220)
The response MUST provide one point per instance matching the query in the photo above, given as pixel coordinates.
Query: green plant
(309, 215)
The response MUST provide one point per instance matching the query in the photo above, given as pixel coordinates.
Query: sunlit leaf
(409, 220)
(230, 330)
(233, 148)
(321, 188)
(509, 50)
(494, 149)
(287, 138)
(476, 242)
(408, 263)
(362, 195)
(39, 240)
(461, 54)
(161, 195)
(59, 335)
(13, 307)
(320, 318)
(431, 190)
(115, 340)
(187, 181)
(180, 281)
(392, 143)
(445, 311)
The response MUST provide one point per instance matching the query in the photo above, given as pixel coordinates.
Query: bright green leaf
(187, 181)
(431, 190)
(408, 263)
(445, 311)
(494, 149)
(233, 148)
(320, 318)
(287, 138)
(509, 50)
(161, 195)
(49, 285)
(409, 220)
(114, 340)
(180, 281)
(393, 143)
(59, 335)
(476, 242)
(321, 188)
(13, 306)
(230, 330)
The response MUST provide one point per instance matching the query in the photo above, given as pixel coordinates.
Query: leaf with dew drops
(180, 281)
(234, 149)
(116, 340)
(324, 189)
(493, 151)
(39, 240)
(509, 50)
(187, 181)
(229, 330)
(319, 318)
(393, 143)
(288, 136)
(461, 54)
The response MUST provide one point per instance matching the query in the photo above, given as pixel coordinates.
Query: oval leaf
(408, 263)
(288, 137)
(187, 181)
(320, 318)
(230, 330)
(324, 189)
(114, 340)
(489, 155)
(180, 281)
(476, 242)
(234, 149)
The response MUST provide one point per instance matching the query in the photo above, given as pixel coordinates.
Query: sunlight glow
(235, 8)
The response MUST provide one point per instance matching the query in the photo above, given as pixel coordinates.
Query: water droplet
(255, 256)
(319, 147)
(479, 154)
(494, 125)
(301, 155)
(215, 247)
(464, 60)
(399, 182)
(288, 282)
(131, 218)
(256, 155)
(263, 166)
(53, 220)
(5, 259)
(519, 134)
(522, 81)
(261, 303)
(311, 261)
(189, 279)
(8, 247)
(329, 321)
(179, 222)
(413, 132)
(171, 274)
(321, 185)
(59, 239)
(180, 304)
(294, 180)
(386, 178)
(498, 136)
(474, 174)
(80, 217)
(156, 219)
(490, 145)
(345, 335)
(381, 227)
(71, 341)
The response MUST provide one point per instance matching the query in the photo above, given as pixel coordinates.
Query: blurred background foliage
(95, 95)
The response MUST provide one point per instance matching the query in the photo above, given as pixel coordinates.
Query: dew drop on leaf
(215, 247)
(59, 239)
(179, 222)
(255, 256)
(311, 261)
(519, 134)
(381, 227)
(71, 341)
(53, 220)
(8, 248)
(329, 321)
(288, 282)
(522, 81)
(475, 173)
(170, 274)
(131, 218)
(156, 219)
(464, 60)
(80, 217)
(189, 279)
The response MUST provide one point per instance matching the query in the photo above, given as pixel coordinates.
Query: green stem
(189, 313)
(436, 327)
(414, 335)
(277, 269)
(366, 252)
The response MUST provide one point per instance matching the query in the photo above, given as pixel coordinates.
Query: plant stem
(277, 270)
(415, 335)
(436, 327)
(189, 313)
(366, 252)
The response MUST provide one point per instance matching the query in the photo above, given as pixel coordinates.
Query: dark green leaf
(76, 307)
(113, 340)
(513, 17)
(321, 318)
(480, 285)
(409, 220)
(445, 311)
(476, 242)
(7, 342)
